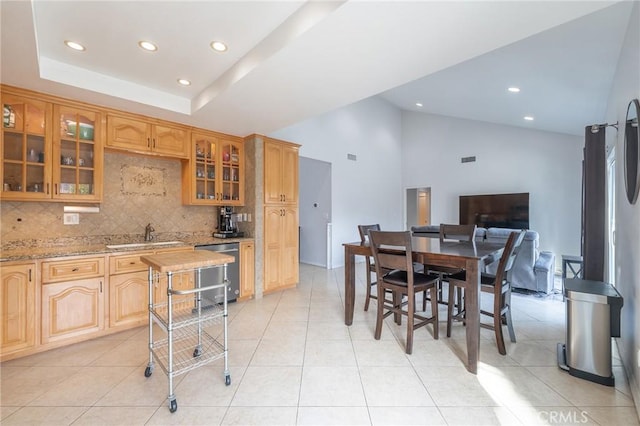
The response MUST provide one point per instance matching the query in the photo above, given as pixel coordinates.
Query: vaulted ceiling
(288, 61)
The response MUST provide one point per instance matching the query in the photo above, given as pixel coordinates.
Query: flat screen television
(495, 210)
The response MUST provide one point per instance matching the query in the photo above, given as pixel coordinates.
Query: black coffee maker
(225, 223)
(226, 226)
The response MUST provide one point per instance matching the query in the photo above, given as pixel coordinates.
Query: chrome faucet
(147, 232)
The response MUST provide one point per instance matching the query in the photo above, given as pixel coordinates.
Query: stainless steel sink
(142, 245)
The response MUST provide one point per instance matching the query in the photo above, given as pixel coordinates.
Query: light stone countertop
(35, 253)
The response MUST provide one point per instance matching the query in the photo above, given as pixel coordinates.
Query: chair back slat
(364, 231)
(457, 232)
(392, 249)
(509, 254)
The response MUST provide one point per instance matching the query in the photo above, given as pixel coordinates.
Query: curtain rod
(595, 128)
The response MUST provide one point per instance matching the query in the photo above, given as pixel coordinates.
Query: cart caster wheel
(147, 372)
(197, 352)
(227, 380)
(173, 406)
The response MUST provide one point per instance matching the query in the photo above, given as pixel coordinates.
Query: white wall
(626, 86)
(365, 191)
(508, 159)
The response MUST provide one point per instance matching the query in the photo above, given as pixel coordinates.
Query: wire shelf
(184, 314)
(184, 347)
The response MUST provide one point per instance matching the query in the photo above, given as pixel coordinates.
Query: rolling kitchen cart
(186, 315)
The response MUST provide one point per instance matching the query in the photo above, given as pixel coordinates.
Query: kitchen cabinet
(280, 214)
(215, 174)
(77, 155)
(26, 148)
(146, 137)
(50, 152)
(280, 247)
(17, 307)
(72, 298)
(280, 172)
(247, 269)
(129, 288)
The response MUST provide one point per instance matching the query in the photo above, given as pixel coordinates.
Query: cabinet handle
(47, 188)
(74, 270)
(55, 189)
(148, 142)
(100, 286)
(132, 263)
(154, 142)
(29, 274)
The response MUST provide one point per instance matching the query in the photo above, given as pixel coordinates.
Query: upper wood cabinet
(17, 308)
(280, 172)
(77, 155)
(50, 152)
(26, 148)
(215, 174)
(144, 137)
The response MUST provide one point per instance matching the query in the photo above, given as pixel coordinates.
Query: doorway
(315, 212)
(418, 207)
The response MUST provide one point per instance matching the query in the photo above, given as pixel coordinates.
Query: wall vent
(351, 157)
(468, 159)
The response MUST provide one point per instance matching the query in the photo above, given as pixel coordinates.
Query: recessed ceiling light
(218, 46)
(74, 45)
(147, 45)
(528, 118)
(514, 89)
(418, 104)
(184, 82)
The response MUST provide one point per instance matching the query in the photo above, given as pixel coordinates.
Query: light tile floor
(293, 361)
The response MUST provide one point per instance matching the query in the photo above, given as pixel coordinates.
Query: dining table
(468, 255)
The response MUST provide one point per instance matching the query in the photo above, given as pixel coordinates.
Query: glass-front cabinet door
(77, 154)
(215, 175)
(26, 148)
(205, 169)
(232, 172)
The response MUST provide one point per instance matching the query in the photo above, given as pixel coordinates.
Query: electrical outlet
(71, 218)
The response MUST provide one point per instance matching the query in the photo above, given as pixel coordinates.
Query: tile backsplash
(137, 190)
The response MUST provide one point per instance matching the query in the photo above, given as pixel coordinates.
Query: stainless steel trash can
(593, 318)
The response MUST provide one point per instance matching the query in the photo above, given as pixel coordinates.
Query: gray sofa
(533, 270)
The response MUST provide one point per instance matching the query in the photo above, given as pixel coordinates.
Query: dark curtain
(594, 204)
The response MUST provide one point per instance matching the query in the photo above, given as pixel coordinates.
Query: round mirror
(631, 151)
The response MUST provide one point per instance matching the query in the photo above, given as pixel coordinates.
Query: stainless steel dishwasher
(214, 275)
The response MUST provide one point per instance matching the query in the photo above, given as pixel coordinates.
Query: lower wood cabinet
(128, 296)
(280, 247)
(129, 288)
(247, 269)
(17, 308)
(72, 309)
(72, 298)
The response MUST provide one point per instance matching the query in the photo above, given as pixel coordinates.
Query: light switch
(71, 218)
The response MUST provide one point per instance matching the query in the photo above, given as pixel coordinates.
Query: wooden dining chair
(499, 286)
(371, 267)
(450, 232)
(394, 267)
